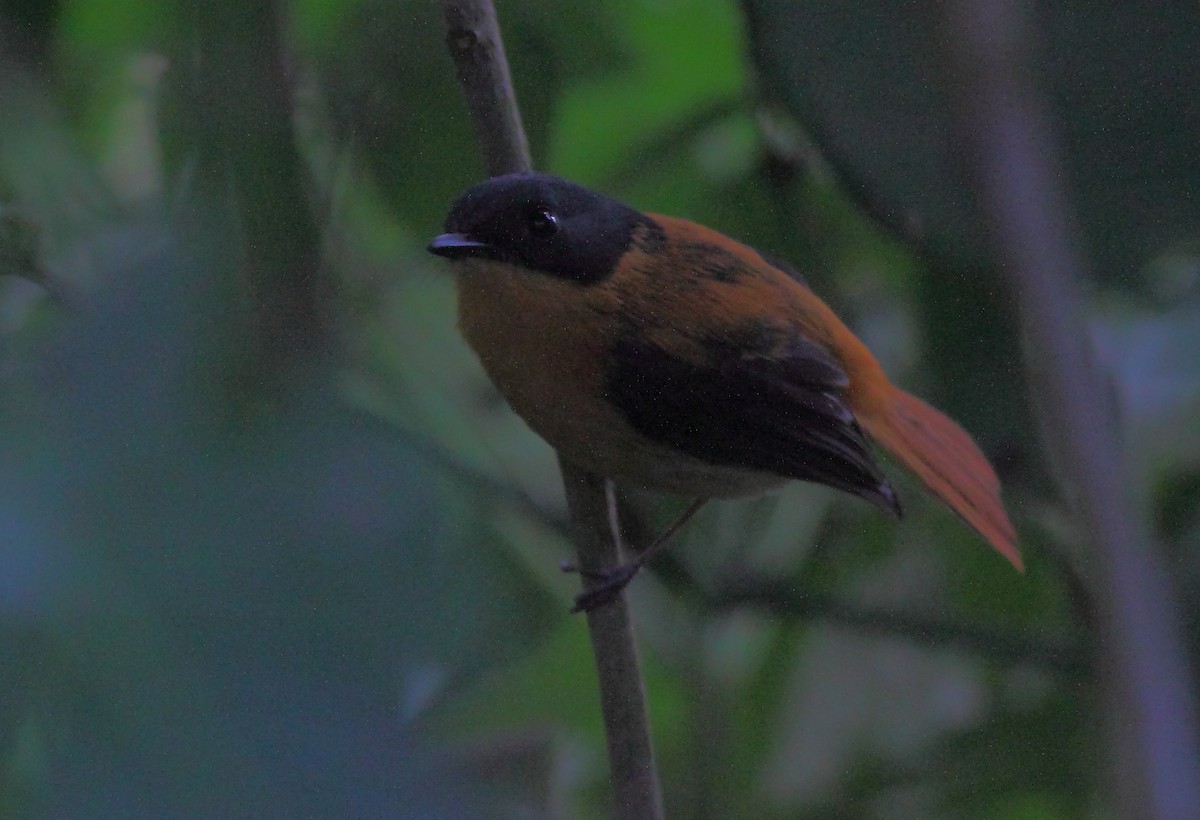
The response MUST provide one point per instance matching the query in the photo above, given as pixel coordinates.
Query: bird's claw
(606, 586)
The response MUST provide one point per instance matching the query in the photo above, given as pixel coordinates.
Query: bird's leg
(608, 583)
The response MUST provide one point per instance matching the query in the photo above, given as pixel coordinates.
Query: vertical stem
(473, 37)
(622, 696)
(1155, 752)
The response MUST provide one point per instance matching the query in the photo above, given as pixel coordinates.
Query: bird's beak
(459, 245)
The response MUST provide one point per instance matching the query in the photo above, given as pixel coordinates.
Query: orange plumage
(947, 461)
(928, 443)
(651, 349)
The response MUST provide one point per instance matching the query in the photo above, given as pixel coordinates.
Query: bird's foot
(604, 585)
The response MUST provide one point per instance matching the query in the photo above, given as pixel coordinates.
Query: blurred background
(271, 545)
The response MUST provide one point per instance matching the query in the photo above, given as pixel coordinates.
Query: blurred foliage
(271, 546)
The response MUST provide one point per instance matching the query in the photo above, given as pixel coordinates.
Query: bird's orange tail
(945, 458)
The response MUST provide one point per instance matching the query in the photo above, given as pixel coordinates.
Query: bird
(654, 351)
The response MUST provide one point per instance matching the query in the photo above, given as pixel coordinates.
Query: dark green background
(270, 545)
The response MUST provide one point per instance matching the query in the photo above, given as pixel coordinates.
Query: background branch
(473, 37)
(1155, 760)
(783, 600)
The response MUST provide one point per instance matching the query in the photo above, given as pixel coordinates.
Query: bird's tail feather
(945, 458)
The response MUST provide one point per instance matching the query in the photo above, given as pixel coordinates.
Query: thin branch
(622, 696)
(1155, 754)
(785, 601)
(473, 37)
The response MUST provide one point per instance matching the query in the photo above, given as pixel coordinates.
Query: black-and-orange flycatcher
(652, 350)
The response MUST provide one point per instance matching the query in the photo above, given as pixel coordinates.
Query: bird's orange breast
(545, 343)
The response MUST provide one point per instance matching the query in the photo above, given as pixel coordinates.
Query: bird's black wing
(781, 413)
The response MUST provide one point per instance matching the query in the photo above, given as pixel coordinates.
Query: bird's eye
(542, 222)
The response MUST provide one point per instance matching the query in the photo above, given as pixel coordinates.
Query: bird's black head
(540, 222)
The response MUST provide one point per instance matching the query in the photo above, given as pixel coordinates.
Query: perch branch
(473, 37)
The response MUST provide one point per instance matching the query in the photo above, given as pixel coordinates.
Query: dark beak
(458, 245)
